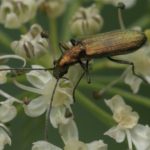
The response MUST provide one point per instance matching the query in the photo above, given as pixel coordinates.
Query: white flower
(3, 74)
(141, 137)
(7, 110)
(44, 145)
(60, 115)
(44, 83)
(54, 8)
(68, 131)
(71, 145)
(128, 126)
(4, 137)
(133, 81)
(141, 60)
(13, 13)
(78, 145)
(86, 21)
(31, 44)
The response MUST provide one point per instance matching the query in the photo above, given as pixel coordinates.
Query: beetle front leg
(85, 67)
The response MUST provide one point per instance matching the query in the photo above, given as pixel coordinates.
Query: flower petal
(74, 144)
(116, 133)
(97, 145)
(7, 111)
(38, 78)
(44, 145)
(4, 138)
(58, 115)
(133, 81)
(37, 106)
(68, 131)
(141, 137)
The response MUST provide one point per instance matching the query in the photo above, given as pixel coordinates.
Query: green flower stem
(5, 39)
(137, 99)
(53, 37)
(100, 114)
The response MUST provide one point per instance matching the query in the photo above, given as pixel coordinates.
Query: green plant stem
(98, 112)
(53, 37)
(137, 99)
(5, 39)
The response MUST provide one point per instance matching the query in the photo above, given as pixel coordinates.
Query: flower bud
(13, 13)
(31, 44)
(54, 8)
(86, 21)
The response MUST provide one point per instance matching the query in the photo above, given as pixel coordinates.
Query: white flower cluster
(127, 125)
(86, 21)
(32, 44)
(14, 13)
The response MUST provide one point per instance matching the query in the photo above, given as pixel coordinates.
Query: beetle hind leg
(128, 63)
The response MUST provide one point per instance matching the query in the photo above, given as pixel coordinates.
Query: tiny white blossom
(3, 74)
(54, 8)
(44, 145)
(141, 137)
(13, 13)
(133, 81)
(141, 61)
(4, 137)
(69, 131)
(7, 110)
(31, 44)
(86, 21)
(127, 125)
(60, 115)
(78, 145)
(44, 83)
(72, 144)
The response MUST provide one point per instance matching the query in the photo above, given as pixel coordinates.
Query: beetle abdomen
(114, 43)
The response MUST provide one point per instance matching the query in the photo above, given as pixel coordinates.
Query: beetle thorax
(71, 56)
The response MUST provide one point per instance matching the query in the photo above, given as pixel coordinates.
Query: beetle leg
(74, 90)
(85, 67)
(128, 63)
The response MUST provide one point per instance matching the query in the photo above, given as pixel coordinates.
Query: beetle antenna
(27, 69)
(49, 111)
(120, 7)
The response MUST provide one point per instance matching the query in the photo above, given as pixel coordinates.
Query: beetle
(107, 44)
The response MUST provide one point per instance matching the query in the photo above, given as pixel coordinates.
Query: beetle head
(59, 71)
